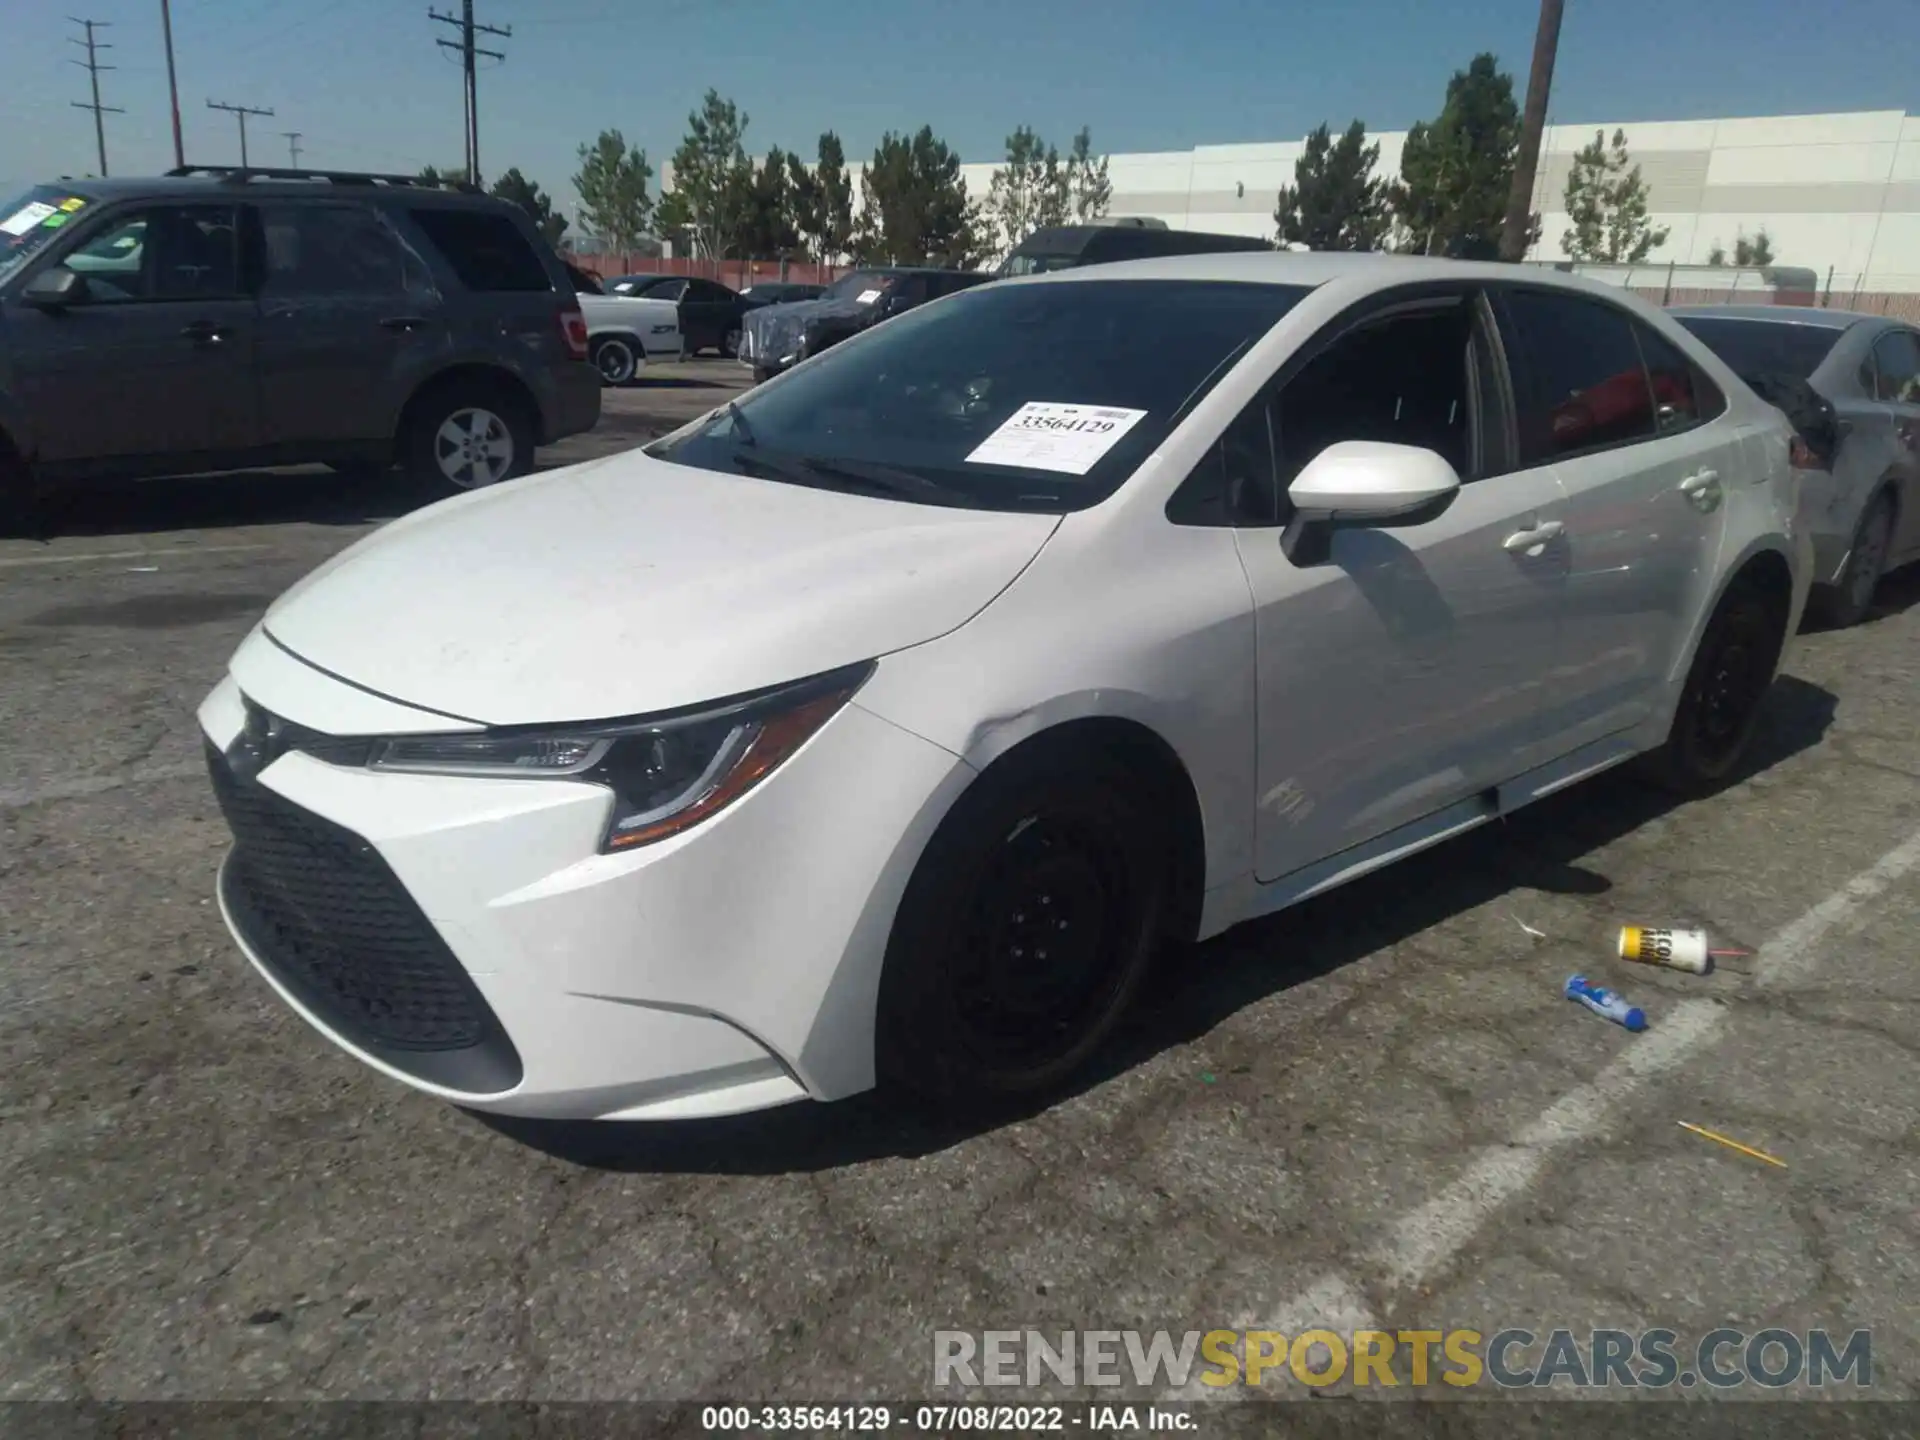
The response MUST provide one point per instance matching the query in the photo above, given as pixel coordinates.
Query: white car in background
(881, 725)
(625, 333)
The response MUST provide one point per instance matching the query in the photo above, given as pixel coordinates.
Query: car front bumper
(476, 945)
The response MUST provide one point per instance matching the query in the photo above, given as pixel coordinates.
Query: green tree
(1717, 256)
(1334, 202)
(612, 186)
(826, 206)
(1755, 252)
(1607, 206)
(915, 209)
(772, 222)
(518, 190)
(1089, 190)
(1029, 192)
(452, 175)
(1457, 170)
(712, 170)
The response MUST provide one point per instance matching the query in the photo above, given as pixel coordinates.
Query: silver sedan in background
(1863, 500)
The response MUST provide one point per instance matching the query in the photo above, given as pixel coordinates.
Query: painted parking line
(1422, 1242)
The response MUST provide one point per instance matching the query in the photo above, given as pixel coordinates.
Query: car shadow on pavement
(229, 500)
(644, 381)
(1198, 987)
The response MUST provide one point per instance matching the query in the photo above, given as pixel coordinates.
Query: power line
(467, 50)
(93, 67)
(293, 147)
(242, 111)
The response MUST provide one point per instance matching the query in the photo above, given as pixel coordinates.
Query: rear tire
(1847, 601)
(1023, 934)
(616, 359)
(467, 437)
(1726, 686)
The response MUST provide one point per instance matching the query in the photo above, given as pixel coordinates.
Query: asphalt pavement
(1376, 1110)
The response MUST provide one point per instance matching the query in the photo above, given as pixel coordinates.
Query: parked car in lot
(709, 311)
(780, 292)
(880, 725)
(779, 337)
(214, 319)
(625, 332)
(1861, 482)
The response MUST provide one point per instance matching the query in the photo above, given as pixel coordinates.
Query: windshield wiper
(850, 474)
(740, 425)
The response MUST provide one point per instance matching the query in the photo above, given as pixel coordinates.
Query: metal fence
(735, 273)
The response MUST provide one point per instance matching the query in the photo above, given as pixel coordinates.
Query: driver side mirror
(55, 289)
(1369, 484)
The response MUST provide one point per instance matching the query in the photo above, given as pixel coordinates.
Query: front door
(156, 359)
(1404, 673)
(349, 319)
(1646, 453)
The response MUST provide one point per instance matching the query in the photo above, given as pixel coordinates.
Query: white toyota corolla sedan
(879, 726)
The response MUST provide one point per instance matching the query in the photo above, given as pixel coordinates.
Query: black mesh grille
(333, 923)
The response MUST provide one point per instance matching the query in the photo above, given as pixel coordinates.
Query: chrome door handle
(1533, 539)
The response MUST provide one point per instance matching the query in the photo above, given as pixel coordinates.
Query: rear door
(708, 311)
(1644, 451)
(158, 360)
(350, 321)
(1896, 365)
(502, 304)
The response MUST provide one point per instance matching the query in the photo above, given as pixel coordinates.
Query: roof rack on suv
(242, 174)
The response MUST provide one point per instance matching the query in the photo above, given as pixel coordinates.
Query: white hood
(628, 585)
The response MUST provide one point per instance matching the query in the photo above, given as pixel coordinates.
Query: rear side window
(486, 252)
(330, 250)
(1764, 347)
(1682, 396)
(1579, 375)
(1896, 364)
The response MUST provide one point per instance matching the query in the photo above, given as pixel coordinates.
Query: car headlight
(667, 773)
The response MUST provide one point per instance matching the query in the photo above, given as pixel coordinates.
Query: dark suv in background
(219, 319)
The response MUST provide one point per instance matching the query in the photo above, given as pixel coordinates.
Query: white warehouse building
(1836, 194)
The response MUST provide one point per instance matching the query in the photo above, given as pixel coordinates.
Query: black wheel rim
(1738, 667)
(1041, 958)
(616, 362)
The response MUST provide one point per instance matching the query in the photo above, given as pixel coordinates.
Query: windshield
(1765, 347)
(1018, 397)
(1017, 264)
(849, 287)
(28, 222)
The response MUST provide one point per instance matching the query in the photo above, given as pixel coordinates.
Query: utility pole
(293, 147)
(1533, 120)
(470, 89)
(173, 84)
(93, 67)
(242, 111)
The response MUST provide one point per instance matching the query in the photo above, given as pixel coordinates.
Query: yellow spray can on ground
(1676, 949)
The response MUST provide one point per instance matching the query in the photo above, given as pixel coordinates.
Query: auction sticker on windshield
(1049, 435)
(25, 219)
(866, 297)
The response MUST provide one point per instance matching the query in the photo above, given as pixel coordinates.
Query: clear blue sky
(365, 83)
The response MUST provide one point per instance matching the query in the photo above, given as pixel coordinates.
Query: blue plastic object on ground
(1602, 1001)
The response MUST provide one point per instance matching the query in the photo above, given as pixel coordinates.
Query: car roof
(1775, 314)
(1315, 268)
(175, 187)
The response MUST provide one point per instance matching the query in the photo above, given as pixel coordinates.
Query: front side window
(857, 284)
(331, 250)
(1896, 363)
(1578, 369)
(486, 252)
(1038, 397)
(164, 252)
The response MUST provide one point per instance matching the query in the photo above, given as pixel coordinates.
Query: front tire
(1847, 601)
(1719, 710)
(615, 359)
(1023, 934)
(468, 437)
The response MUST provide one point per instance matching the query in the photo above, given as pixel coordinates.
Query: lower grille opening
(332, 922)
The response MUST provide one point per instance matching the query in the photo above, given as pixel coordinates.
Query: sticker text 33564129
(1052, 435)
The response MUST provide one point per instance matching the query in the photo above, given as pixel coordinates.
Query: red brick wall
(736, 273)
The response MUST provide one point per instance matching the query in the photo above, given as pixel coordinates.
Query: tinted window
(1402, 380)
(486, 251)
(1764, 347)
(1896, 364)
(166, 252)
(330, 250)
(923, 393)
(1678, 388)
(708, 291)
(858, 283)
(1579, 374)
